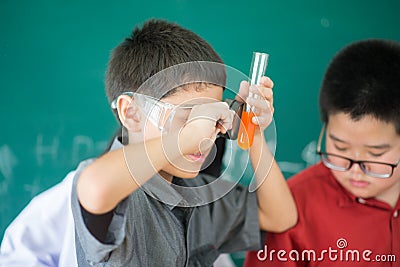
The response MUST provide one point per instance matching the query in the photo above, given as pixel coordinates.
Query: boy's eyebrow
(380, 146)
(334, 138)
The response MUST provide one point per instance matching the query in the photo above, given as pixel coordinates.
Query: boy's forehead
(366, 128)
(346, 119)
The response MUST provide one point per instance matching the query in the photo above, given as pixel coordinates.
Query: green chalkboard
(53, 55)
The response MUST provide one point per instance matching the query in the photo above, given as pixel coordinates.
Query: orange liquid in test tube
(246, 130)
(247, 127)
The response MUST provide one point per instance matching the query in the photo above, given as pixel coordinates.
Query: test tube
(247, 127)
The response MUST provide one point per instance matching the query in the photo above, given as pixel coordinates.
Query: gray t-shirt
(145, 231)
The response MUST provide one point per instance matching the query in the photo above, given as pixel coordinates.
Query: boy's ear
(129, 113)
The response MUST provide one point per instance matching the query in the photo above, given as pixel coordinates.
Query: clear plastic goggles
(164, 116)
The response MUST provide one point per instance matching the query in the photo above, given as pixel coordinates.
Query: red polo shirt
(335, 228)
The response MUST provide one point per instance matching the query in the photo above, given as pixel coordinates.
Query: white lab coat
(43, 234)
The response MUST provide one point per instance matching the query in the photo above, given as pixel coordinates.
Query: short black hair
(364, 79)
(156, 46)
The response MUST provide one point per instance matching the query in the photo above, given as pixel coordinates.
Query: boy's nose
(356, 170)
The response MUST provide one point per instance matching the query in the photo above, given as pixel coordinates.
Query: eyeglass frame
(360, 163)
(234, 105)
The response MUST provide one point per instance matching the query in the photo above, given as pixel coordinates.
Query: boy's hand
(204, 123)
(263, 104)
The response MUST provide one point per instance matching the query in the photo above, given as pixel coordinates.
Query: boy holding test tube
(145, 204)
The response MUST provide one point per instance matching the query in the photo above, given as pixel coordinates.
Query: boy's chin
(186, 174)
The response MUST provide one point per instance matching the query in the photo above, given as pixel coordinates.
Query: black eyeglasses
(340, 163)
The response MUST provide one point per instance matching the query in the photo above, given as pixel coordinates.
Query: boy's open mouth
(197, 157)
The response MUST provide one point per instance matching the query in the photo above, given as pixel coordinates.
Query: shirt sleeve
(97, 223)
(38, 235)
(281, 249)
(89, 247)
(237, 217)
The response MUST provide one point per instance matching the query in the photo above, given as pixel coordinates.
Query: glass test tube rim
(258, 67)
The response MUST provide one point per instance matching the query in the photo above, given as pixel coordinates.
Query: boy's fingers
(261, 104)
(214, 112)
(225, 121)
(267, 82)
(264, 89)
(261, 120)
(243, 92)
(263, 93)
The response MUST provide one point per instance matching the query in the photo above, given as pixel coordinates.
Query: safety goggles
(166, 116)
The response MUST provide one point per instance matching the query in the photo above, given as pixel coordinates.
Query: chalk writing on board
(46, 147)
(50, 152)
(8, 161)
(308, 155)
(84, 146)
(47, 150)
(81, 147)
(33, 188)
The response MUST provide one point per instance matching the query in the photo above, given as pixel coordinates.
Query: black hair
(364, 79)
(156, 46)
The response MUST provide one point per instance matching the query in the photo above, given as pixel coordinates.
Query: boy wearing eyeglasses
(145, 203)
(348, 204)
